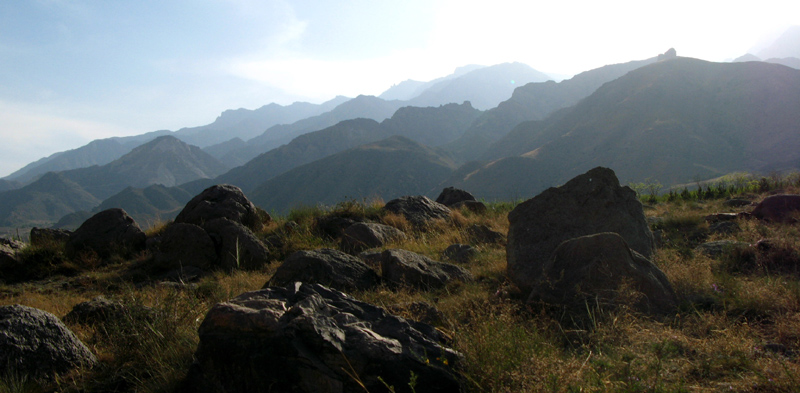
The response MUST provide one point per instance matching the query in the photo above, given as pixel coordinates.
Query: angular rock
(182, 245)
(590, 203)
(778, 208)
(42, 235)
(37, 344)
(364, 235)
(331, 268)
(594, 268)
(237, 247)
(473, 206)
(719, 247)
(723, 227)
(308, 338)
(450, 196)
(482, 234)
(333, 226)
(460, 253)
(107, 233)
(406, 268)
(221, 201)
(8, 253)
(96, 311)
(418, 210)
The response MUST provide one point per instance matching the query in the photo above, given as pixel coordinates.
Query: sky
(72, 71)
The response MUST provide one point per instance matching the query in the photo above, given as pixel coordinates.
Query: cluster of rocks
(215, 230)
(585, 240)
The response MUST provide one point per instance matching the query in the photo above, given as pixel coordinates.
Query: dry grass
(737, 327)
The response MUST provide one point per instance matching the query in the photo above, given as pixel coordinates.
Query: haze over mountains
(668, 118)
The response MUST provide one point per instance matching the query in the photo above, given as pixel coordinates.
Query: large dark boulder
(37, 344)
(110, 232)
(221, 201)
(333, 226)
(8, 253)
(599, 268)
(363, 235)
(778, 208)
(183, 245)
(590, 203)
(43, 235)
(418, 210)
(237, 247)
(308, 338)
(406, 268)
(450, 196)
(95, 312)
(328, 267)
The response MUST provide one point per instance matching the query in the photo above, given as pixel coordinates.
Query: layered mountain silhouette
(385, 169)
(431, 126)
(44, 201)
(675, 121)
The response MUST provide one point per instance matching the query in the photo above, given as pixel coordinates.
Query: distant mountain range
(667, 118)
(675, 121)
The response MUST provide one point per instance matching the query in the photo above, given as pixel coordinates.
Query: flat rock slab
(719, 247)
(365, 235)
(418, 210)
(308, 338)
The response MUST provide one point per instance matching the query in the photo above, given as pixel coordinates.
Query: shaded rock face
(36, 343)
(778, 208)
(331, 268)
(588, 204)
(107, 233)
(8, 252)
(236, 246)
(450, 196)
(221, 201)
(308, 338)
(594, 268)
(459, 253)
(43, 235)
(363, 235)
(718, 247)
(182, 245)
(96, 311)
(482, 234)
(334, 226)
(406, 268)
(473, 206)
(418, 210)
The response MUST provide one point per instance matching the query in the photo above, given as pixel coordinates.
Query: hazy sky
(73, 71)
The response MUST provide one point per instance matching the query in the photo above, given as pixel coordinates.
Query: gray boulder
(594, 267)
(718, 247)
(590, 203)
(724, 227)
(237, 247)
(37, 344)
(364, 235)
(43, 235)
(8, 252)
(96, 311)
(450, 196)
(183, 245)
(221, 201)
(482, 234)
(406, 268)
(107, 233)
(459, 253)
(420, 210)
(328, 267)
(308, 338)
(778, 208)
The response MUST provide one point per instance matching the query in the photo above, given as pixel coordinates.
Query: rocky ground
(581, 288)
